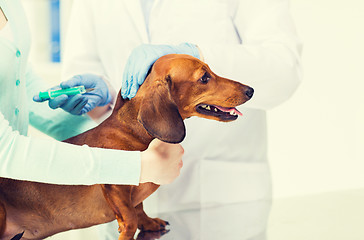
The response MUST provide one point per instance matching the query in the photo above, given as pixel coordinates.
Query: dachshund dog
(177, 87)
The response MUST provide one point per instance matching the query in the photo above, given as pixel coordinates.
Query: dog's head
(180, 86)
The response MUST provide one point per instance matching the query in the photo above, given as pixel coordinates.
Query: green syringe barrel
(68, 91)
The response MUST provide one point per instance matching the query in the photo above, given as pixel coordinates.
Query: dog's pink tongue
(233, 110)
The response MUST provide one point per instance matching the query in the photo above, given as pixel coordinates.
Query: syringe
(50, 94)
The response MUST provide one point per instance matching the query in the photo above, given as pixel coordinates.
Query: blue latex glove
(142, 58)
(81, 104)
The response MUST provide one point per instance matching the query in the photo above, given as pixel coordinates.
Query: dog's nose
(249, 92)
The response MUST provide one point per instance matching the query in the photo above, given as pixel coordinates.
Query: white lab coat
(251, 41)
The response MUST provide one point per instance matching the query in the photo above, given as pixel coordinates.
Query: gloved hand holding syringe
(79, 95)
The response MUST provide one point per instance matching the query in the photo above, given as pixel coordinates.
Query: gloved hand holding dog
(141, 60)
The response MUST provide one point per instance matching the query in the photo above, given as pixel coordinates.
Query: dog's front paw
(152, 224)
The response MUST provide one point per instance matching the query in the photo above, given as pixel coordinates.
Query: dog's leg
(146, 223)
(119, 199)
(2, 218)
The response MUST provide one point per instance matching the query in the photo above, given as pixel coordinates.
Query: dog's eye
(205, 78)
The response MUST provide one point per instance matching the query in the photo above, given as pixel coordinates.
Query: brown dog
(178, 87)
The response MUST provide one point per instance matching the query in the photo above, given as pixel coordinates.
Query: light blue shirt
(44, 160)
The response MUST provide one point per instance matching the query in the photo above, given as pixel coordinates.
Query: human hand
(142, 58)
(161, 162)
(81, 104)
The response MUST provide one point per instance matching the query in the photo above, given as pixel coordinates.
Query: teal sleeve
(51, 161)
(55, 123)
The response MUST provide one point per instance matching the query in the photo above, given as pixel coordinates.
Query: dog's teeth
(208, 107)
(203, 106)
(215, 109)
(232, 113)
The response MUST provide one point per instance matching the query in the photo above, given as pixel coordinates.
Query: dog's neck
(124, 121)
(121, 130)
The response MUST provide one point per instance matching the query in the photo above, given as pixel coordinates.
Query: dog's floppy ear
(159, 113)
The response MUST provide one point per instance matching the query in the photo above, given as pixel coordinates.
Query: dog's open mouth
(223, 113)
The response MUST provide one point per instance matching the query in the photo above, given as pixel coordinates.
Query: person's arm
(268, 59)
(50, 161)
(56, 123)
(81, 56)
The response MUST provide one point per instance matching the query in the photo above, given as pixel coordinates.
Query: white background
(316, 139)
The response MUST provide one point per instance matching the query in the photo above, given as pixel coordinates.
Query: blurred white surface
(328, 216)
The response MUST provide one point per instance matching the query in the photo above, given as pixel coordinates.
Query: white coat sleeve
(81, 54)
(50, 161)
(268, 57)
